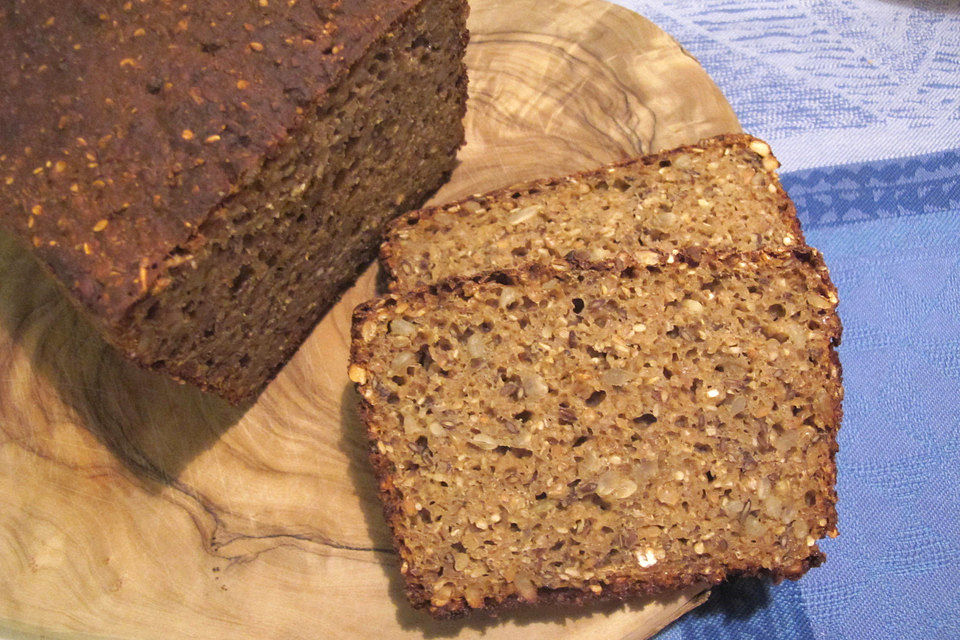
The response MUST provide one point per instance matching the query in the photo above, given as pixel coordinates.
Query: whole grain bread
(206, 178)
(722, 192)
(573, 432)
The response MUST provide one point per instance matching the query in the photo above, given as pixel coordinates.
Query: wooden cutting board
(132, 507)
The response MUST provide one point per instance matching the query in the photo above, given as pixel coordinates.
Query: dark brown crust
(149, 117)
(389, 253)
(617, 591)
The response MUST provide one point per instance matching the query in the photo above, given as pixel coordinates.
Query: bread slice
(570, 432)
(206, 179)
(720, 193)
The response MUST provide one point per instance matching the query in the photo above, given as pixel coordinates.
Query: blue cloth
(861, 102)
(833, 81)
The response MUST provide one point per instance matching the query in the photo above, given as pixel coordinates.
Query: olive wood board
(133, 507)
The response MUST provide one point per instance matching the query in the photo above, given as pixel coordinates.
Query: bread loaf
(206, 178)
(571, 432)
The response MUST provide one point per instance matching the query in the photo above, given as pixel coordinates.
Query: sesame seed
(100, 226)
(187, 134)
(242, 84)
(213, 138)
(128, 62)
(256, 46)
(36, 209)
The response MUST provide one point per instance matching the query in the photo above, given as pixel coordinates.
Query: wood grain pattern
(133, 507)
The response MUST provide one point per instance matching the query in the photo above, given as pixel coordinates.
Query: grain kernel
(646, 558)
(522, 215)
(760, 148)
(357, 374)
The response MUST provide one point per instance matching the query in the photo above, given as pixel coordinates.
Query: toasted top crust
(125, 123)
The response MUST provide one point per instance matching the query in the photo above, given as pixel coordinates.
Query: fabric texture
(829, 81)
(860, 99)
